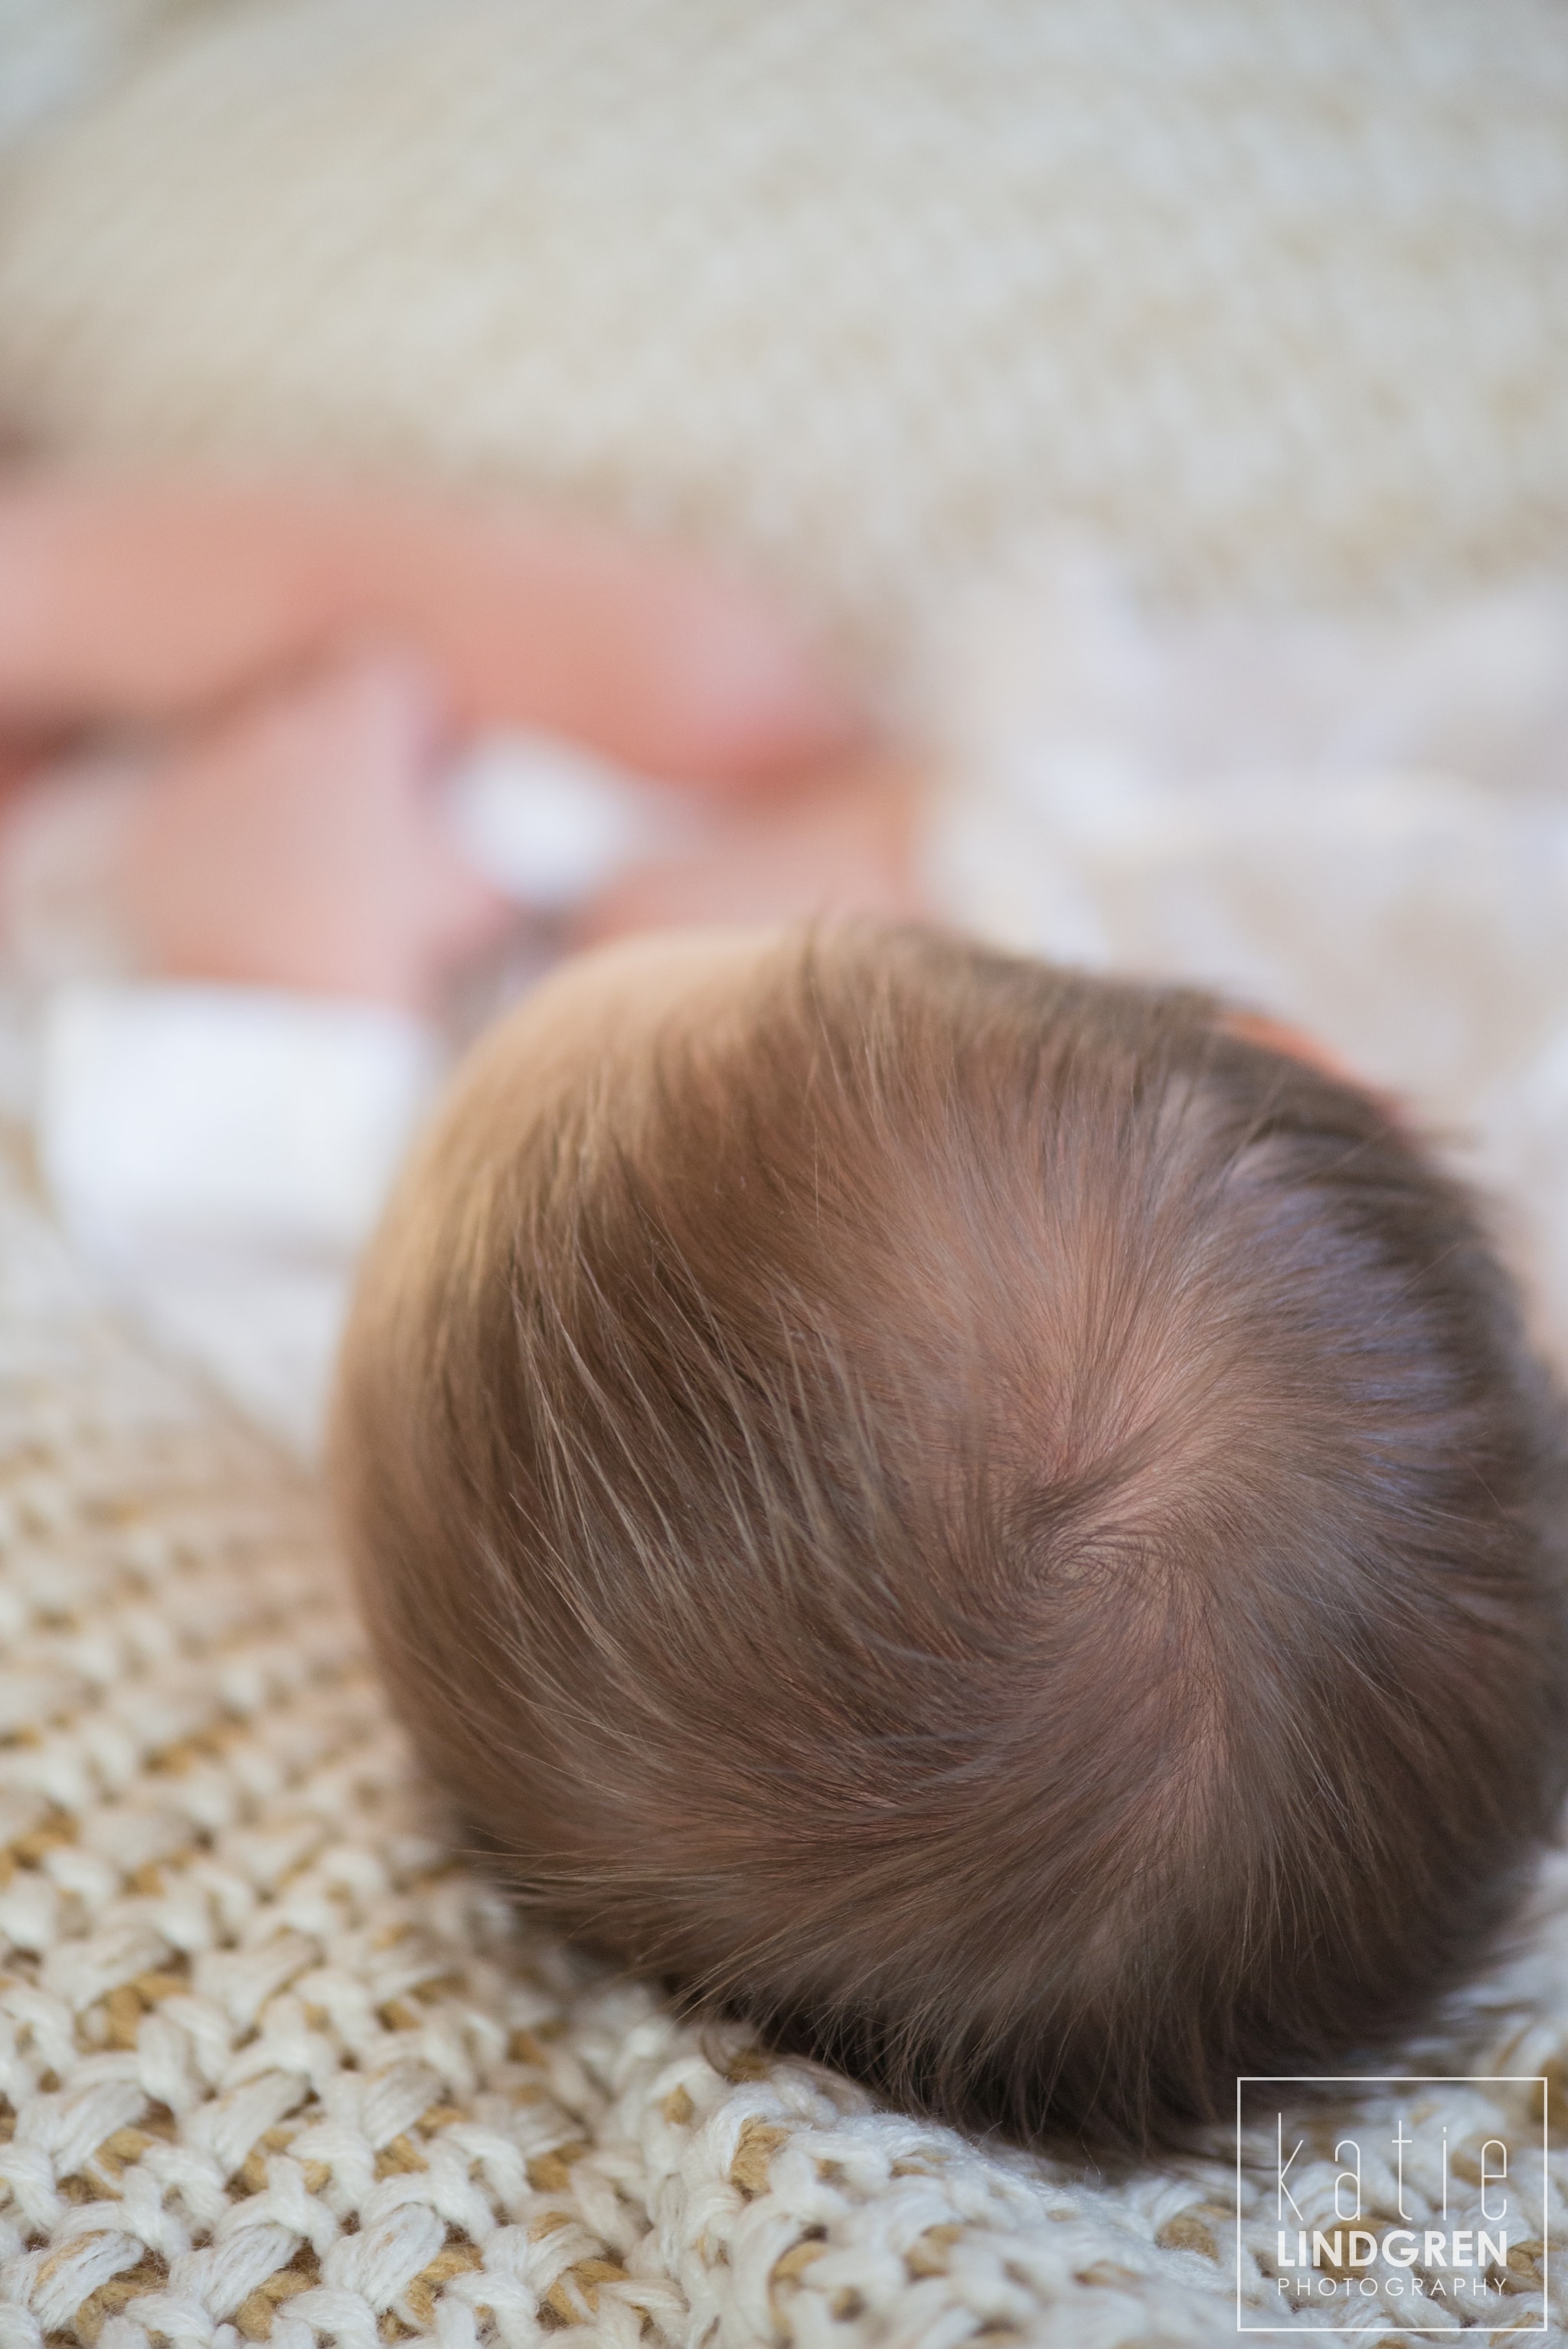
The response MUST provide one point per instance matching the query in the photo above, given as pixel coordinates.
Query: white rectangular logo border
(1398, 2080)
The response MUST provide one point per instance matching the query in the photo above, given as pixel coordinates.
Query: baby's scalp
(972, 1514)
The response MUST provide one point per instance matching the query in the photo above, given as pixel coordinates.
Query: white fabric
(220, 1113)
(219, 1154)
(547, 824)
(1362, 829)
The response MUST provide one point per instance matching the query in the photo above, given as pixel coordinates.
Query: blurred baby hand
(299, 843)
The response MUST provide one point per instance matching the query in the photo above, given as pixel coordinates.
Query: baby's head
(973, 1515)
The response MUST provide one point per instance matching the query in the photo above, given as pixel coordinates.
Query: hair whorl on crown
(978, 1517)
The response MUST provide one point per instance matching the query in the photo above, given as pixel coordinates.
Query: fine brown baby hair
(977, 1516)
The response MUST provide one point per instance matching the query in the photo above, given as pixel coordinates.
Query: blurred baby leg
(144, 602)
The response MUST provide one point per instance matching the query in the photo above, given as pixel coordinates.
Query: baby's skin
(295, 668)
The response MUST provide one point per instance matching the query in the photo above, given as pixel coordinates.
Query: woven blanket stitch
(276, 2068)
